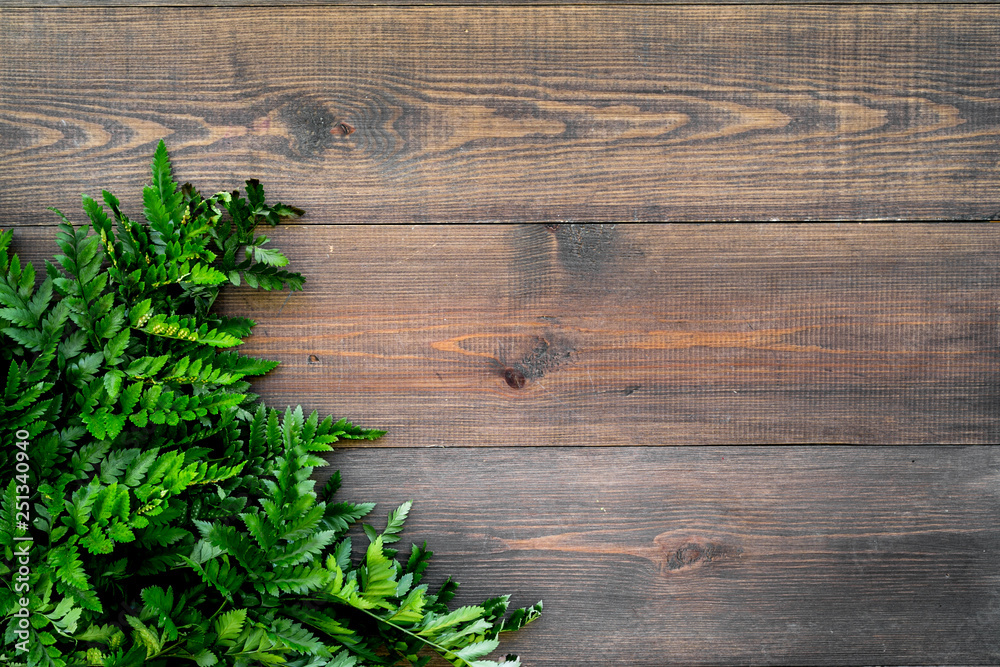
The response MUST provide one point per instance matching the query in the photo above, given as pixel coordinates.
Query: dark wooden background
(836, 384)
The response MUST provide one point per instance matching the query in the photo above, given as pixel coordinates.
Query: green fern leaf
(341, 516)
(303, 523)
(509, 661)
(109, 325)
(106, 501)
(266, 256)
(140, 313)
(437, 623)
(162, 535)
(8, 518)
(5, 238)
(161, 603)
(341, 554)
(137, 470)
(411, 608)
(162, 201)
(418, 561)
(100, 219)
(380, 576)
(477, 650)
(224, 576)
(305, 548)
(292, 635)
(205, 658)
(339, 630)
(112, 385)
(201, 274)
(30, 338)
(120, 532)
(65, 561)
(115, 347)
(185, 329)
(236, 544)
(261, 529)
(145, 636)
(146, 367)
(88, 455)
(394, 525)
(97, 633)
(97, 541)
(120, 332)
(300, 579)
(229, 626)
(21, 317)
(13, 384)
(521, 617)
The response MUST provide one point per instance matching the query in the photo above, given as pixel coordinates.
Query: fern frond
(160, 603)
(340, 517)
(162, 201)
(394, 524)
(299, 579)
(160, 491)
(292, 635)
(229, 626)
(186, 329)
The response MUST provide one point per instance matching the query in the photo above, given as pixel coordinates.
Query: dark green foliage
(173, 519)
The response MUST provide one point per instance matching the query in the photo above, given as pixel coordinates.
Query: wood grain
(636, 334)
(406, 3)
(700, 555)
(514, 113)
(529, 376)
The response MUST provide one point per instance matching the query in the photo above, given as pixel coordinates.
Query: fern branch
(445, 652)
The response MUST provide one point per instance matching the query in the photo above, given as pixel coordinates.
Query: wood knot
(687, 552)
(342, 128)
(690, 554)
(514, 378)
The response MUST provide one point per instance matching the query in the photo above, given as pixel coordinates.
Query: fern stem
(221, 607)
(440, 648)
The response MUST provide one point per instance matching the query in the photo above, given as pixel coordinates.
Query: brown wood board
(715, 556)
(599, 113)
(434, 3)
(530, 376)
(537, 335)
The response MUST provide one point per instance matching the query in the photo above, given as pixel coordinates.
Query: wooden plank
(636, 334)
(410, 114)
(699, 555)
(445, 3)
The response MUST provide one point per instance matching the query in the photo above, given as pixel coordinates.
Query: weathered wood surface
(600, 113)
(529, 376)
(637, 334)
(431, 3)
(700, 555)
(669, 555)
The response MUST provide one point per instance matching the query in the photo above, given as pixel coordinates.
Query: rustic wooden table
(538, 381)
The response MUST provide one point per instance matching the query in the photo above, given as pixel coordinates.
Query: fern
(174, 519)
